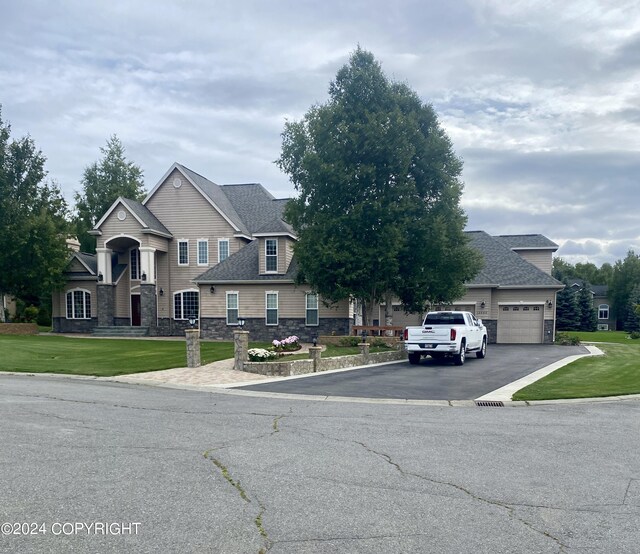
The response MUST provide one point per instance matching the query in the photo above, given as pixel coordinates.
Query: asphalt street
(432, 379)
(211, 472)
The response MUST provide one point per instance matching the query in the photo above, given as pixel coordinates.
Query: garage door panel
(520, 324)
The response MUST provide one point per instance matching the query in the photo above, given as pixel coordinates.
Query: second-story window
(183, 252)
(271, 254)
(603, 311)
(223, 249)
(203, 252)
(134, 265)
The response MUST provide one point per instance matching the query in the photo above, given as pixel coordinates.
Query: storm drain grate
(490, 403)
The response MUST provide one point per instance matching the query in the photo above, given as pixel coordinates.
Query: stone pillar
(314, 354)
(193, 347)
(105, 306)
(148, 307)
(240, 349)
(364, 352)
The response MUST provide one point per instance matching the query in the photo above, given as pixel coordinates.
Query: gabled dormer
(276, 242)
(536, 249)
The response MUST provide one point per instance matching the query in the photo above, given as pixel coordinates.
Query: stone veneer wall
(217, 328)
(105, 307)
(64, 325)
(148, 307)
(548, 332)
(492, 330)
(299, 367)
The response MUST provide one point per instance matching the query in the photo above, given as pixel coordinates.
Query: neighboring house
(221, 254)
(514, 294)
(601, 302)
(8, 307)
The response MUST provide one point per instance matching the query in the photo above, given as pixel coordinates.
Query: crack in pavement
(510, 509)
(356, 538)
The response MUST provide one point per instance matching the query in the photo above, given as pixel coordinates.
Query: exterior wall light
(483, 304)
(100, 277)
(161, 292)
(549, 304)
(241, 321)
(212, 289)
(144, 276)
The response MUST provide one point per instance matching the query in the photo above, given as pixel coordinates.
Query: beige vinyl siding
(112, 226)
(288, 253)
(542, 259)
(524, 296)
(476, 297)
(76, 266)
(159, 243)
(252, 301)
(164, 301)
(188, 215)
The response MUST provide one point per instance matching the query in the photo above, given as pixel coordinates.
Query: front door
(135, 310)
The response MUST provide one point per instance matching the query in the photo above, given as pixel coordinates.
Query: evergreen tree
(588, 312)
(567, 311)
(632, 320)
(102, 183)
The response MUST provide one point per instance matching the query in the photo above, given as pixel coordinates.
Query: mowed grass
(100, 357)
(603, 336)
(615, 373)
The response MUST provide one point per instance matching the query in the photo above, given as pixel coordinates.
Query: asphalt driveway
(432, 379)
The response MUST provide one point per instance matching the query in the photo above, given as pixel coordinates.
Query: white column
(148, 263)
(104, 265)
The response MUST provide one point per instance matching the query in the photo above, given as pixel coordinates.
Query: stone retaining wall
(300, 367)
(18, 329)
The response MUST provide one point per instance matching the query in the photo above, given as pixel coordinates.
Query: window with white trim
(271, 255)
(603, 311)
(203, 252)
(232, 308)
(183, 252)
(134, 264)
(272, 308)
(311, 313)
(78, 304)
(186, 304)
(223, 249)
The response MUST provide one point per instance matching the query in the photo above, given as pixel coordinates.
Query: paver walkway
(215, 373)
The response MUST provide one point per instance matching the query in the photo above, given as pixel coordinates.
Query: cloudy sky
(540, 98)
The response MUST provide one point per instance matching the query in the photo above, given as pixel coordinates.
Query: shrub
(379, 343)
(44, 317)
(30, 314)
(348, 341)
(261, 355)
(635, 335)
(565, 339)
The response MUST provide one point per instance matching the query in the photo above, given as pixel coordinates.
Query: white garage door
(520, 324)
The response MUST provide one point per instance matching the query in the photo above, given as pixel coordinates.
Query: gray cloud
(540, 101)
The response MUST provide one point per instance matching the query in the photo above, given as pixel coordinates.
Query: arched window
(78, 304)
(186, 304)
(603, 311)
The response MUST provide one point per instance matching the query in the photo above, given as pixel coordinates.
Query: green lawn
(100, 357)
(603, 336)
(615, 373)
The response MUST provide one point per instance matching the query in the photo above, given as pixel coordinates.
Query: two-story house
(221, 256)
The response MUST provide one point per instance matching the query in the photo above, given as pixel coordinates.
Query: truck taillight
(406, 334)
(452, 335)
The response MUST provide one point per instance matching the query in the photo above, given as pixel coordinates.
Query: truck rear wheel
(414, 358)
(459, 358)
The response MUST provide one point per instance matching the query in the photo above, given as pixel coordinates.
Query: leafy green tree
(588, 312)
(561, 269)
(378, 212)
(626, 275)
(632, 319)
(33, 222)
(567, 311)
(102, 183)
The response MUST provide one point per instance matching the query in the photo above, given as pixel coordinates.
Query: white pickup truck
(450, 334)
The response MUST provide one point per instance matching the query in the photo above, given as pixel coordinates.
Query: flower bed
(261, 355)
(290, 344)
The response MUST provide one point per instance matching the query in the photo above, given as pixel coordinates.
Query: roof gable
(210, 191)
(527, 242)
(149, 222)
(503, 267)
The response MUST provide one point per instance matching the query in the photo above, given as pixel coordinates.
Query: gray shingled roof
(149, 220)
(597, 290)
(89, 260)
(503, 266)
(244, 266)
(259, 210)
(526, 241)
(217, 196)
